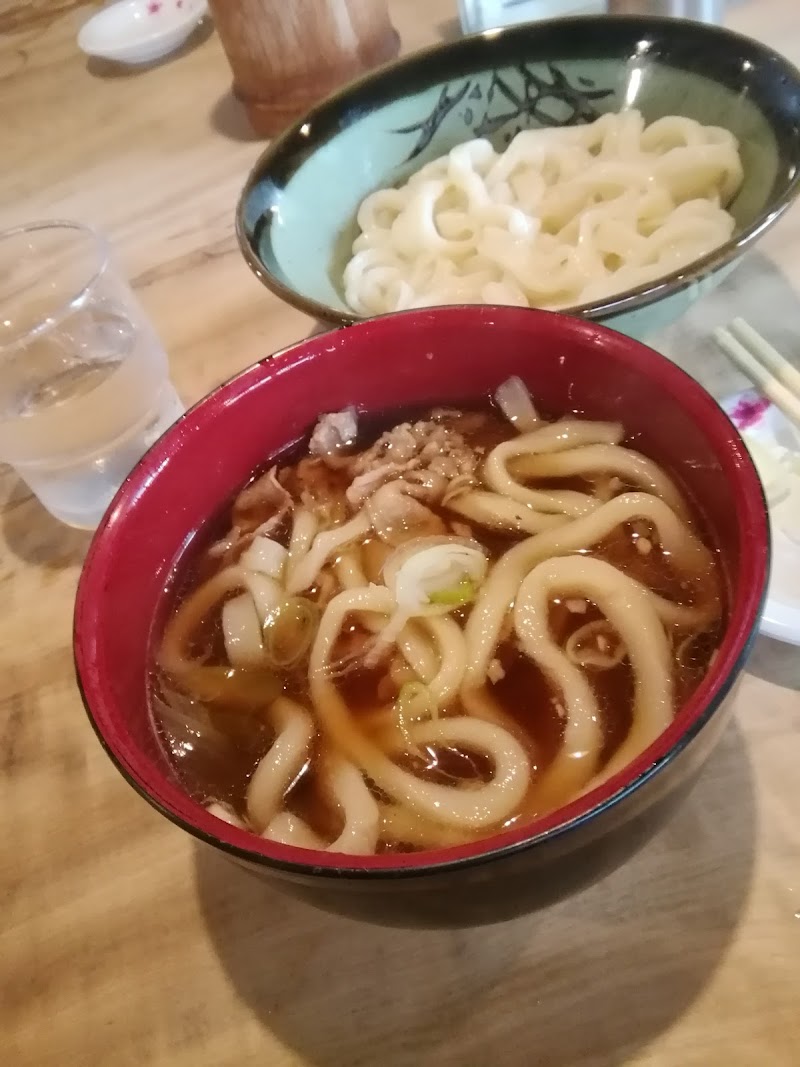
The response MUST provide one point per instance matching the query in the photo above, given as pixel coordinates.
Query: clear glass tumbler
(84, 381)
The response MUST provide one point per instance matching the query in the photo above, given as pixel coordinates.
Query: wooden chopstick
(772, 359)
(766, 368)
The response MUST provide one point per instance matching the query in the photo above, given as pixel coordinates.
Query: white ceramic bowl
(140, 31)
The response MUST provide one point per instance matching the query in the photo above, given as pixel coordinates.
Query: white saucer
(758, 420)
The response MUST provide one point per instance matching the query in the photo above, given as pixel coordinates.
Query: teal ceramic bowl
(296, 215)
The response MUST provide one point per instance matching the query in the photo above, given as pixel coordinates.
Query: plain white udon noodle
(564, 216)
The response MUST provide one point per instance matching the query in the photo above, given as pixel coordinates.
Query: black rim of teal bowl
(732, 59)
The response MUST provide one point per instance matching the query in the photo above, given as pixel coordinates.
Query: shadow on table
(589, 980)
(321, 327)
(229, 118)
(32, 534)
(775, 662)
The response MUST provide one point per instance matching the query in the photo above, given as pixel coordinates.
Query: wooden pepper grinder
(288, 54)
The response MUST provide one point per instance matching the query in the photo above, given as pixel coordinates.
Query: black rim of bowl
(287, 152)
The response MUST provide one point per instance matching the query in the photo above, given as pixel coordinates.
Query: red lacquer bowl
(430, 356)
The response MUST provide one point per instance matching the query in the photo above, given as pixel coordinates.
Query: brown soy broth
(524, 693)
(307, 799)
(218, 761)
(213, 749)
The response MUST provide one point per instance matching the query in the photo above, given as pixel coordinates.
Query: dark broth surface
(215, 747)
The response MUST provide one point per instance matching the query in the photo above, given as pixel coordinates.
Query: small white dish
(764, 427)
(140, 31)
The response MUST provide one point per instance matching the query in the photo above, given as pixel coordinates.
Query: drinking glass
(84, 381)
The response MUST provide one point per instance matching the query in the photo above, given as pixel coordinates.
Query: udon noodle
(415, 642)
(564, 216)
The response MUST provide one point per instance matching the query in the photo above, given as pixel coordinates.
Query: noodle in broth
(413, 639)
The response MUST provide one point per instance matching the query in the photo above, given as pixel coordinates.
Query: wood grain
(19, 16)
(122, 944)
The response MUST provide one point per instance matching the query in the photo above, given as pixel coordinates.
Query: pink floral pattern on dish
(154, 7)
(749, 410)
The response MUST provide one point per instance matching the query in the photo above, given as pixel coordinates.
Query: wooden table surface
(121, 943)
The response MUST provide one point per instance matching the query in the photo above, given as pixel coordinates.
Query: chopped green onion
(456, 595)
(414, 703)
(431, 576)
(289, 631)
